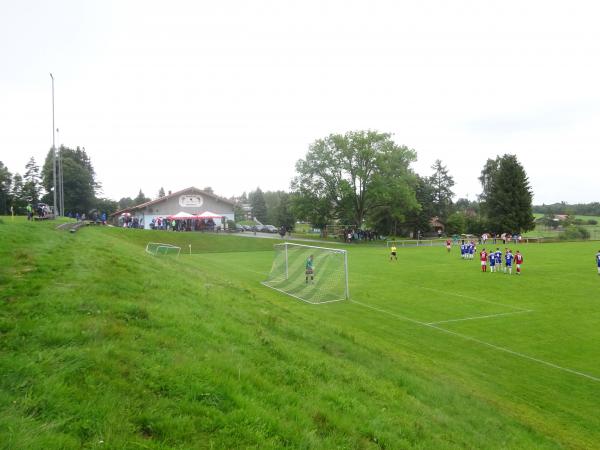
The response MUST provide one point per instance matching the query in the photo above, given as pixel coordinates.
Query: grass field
(105, 346)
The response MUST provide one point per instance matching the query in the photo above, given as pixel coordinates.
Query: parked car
(247, 227)
(269, 229)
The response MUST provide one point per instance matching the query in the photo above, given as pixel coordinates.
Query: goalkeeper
(310, 270)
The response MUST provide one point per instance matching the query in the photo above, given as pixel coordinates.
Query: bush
(574, 233)
(592, 222)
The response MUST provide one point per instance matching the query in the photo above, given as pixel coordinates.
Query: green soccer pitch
(105, 346)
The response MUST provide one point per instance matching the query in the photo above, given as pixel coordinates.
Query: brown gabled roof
(166, 197)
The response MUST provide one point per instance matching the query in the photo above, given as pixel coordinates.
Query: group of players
(494, 258)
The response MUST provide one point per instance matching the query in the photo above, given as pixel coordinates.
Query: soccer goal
(322, 280)
(158, 248)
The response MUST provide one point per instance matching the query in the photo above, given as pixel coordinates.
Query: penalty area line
(486, 344)
(489, 316)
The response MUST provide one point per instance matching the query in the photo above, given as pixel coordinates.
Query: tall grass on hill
(104, 346)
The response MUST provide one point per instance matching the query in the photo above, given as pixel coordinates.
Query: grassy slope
(101, 342)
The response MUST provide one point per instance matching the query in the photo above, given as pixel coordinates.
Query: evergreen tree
(285, 216)
(5, 189)
(19, 201)
(31, 182)
(441, 184)
(420, 219)
(259, 206)
(141, 198)
(161, 193)
(488, 173)
(78, 177)
(508, 198)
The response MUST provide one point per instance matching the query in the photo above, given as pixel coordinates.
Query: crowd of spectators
(162, 223)
(349, 235)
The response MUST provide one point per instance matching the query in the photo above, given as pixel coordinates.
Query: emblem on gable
(191, 200)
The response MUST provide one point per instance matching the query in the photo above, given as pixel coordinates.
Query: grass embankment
(104, 346)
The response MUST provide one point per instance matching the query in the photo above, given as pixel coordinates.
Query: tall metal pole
(61, 190)
(56, 211)
(62, 186)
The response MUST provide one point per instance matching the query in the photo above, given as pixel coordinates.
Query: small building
(437, 225)
(192, 200)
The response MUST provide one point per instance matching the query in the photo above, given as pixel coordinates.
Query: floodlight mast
(61, 189)
(54, 149)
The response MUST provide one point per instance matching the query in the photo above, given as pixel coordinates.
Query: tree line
(81, 189)
(364, 180)
(361, 179)
(582, 209)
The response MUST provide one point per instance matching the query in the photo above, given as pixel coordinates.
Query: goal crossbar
(159, 248)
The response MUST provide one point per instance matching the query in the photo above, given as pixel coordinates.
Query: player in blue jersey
(498, 258)
(462, 251)
(598, 261)
(492, 261)
(508, 259)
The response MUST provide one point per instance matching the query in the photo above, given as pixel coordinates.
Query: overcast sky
(230, 94)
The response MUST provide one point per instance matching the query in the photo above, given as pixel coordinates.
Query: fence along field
(417, 361)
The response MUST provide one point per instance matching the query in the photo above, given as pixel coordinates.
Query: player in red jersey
(448, 244)
(519, 261)
(483, 257)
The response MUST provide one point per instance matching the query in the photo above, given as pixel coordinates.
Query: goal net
(324, 279)
(158, 248)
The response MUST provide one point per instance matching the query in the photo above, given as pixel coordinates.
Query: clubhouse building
(190, 204)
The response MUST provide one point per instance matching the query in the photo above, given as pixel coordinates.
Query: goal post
(322, 280)
(159, 248)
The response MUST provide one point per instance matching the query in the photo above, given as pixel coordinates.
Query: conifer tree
(441, 185)
(5, 189)
(508, 200)
(259, 206)
(31, 182)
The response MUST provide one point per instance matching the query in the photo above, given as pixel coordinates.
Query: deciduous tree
(344, 176)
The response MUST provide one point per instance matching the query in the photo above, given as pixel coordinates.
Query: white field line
(300, 298)
(487, 344)
(455, 294)
(481, 317)
(475, 299)
(463, 336)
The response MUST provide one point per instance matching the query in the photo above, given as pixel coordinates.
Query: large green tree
(5, 187)
(78, 177)
(507, 195)
(346, 175)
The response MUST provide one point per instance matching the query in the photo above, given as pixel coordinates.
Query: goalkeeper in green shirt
(310, 270)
